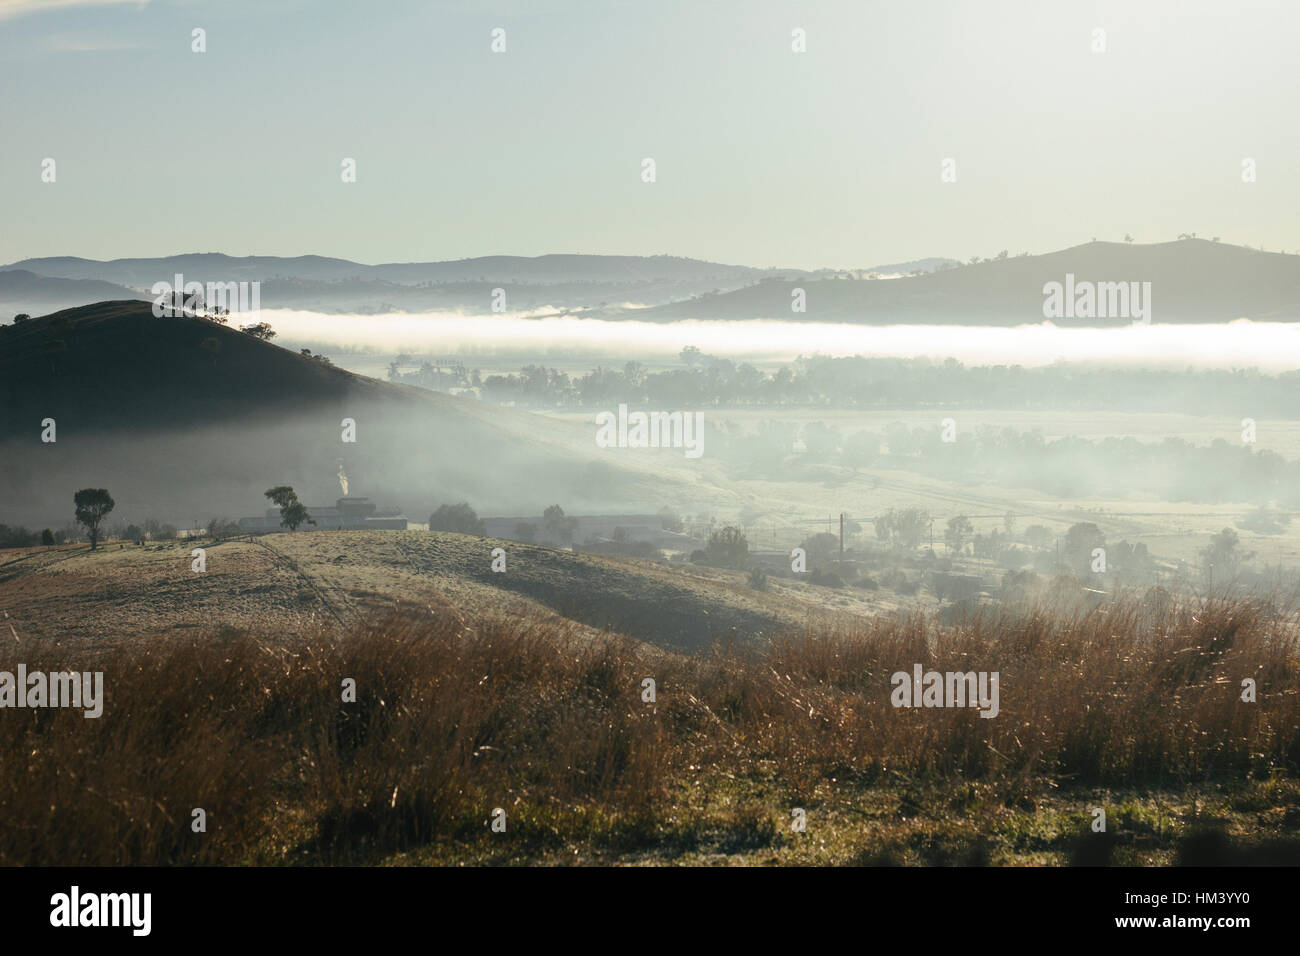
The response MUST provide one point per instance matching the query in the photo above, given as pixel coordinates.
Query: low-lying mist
(413, 457)
(1270, 346)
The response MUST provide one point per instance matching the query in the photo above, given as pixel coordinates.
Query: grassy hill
(294, 582)
(143, 272)
(113, 365)
(1192, 280)
(183, 417)
(1135, 713)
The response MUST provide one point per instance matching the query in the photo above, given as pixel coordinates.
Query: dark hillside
(114, 365)
(184, 431)
(1192, 280)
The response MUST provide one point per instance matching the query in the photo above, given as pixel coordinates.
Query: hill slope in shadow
(184, 419)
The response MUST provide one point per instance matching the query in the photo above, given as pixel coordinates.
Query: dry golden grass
(452, 721)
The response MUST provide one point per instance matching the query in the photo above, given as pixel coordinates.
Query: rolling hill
(24, 291)
(1192, 280)
(287, 583)
(185, 419)
(142, 273)
(340, 285)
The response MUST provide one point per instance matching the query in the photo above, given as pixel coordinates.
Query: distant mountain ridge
(22, 290)
(320, 283)
(143, 272)
(1190, 280)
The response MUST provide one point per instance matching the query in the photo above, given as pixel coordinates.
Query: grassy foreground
(1131, 709)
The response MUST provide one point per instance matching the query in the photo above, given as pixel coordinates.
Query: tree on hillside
(93, 504)
(460, 518)
(21, 317)
(219, 528)
(262, 331)
(292, 511)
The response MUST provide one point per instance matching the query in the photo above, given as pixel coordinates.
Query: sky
(831, 157)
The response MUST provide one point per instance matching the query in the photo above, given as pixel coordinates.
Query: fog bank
(1270, 346)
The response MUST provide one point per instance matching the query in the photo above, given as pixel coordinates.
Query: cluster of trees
(1222, 558)
(906, 529)
(459, 518)
(727, 547)
(437, 378)
(261, 331)
(903, 528)
(556, 527)
(320, 359)
(706, 381)
(1173, 469)
(20, 537)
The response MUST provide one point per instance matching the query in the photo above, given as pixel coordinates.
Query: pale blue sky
(765, 157)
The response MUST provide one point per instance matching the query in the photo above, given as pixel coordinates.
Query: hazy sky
(764, 156)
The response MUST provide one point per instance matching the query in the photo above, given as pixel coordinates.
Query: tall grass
(452, 721)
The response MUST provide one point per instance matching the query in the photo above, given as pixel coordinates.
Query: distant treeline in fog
(707, 381)
(1172, 469)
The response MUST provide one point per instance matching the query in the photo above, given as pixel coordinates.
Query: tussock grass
(453, 720)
